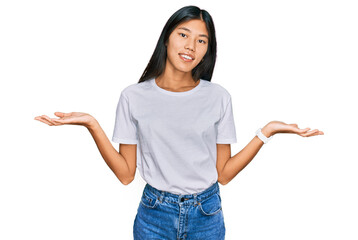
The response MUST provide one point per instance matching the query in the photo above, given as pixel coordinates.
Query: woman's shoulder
(136, 88)
(218, 88)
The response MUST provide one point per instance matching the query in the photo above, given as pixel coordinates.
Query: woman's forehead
(194, 25)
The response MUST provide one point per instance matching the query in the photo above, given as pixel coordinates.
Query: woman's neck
(176, 84)
(176, 81)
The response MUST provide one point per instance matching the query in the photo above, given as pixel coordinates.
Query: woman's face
(187, 45)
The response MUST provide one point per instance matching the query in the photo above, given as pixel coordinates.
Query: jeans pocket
(149, 200)
(211, 205)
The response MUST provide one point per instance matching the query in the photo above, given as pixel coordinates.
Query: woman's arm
(238, 162)
(114, 159)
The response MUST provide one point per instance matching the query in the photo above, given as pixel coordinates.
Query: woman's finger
(296, 130)
(318, 133)
(304, 130)
(314, 134)
(44, 120)
(59, 121)
(62, 114)
(41, 120)
(52, 121)
(311, 133)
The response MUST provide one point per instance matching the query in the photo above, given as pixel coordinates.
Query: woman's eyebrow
(187, 29)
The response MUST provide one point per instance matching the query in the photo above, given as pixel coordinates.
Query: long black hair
(204, 69)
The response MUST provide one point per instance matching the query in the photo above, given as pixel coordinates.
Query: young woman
(184, 125)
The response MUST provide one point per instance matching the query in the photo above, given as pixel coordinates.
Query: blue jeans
(166, 216)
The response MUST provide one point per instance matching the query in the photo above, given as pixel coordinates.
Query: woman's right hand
(74, 118)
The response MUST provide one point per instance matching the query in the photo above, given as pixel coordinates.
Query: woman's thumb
(59, 114)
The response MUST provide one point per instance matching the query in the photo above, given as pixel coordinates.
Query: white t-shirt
(176, 133)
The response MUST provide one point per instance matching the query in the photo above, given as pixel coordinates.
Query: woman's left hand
(274, 127)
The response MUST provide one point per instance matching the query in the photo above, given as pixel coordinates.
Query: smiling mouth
(186, 58)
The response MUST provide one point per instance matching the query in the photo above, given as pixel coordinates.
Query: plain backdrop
(291, 61)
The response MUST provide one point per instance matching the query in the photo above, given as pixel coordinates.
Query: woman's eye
(182, 34)
(201, 41)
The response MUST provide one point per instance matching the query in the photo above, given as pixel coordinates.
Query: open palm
(73, 118)
(281, 127)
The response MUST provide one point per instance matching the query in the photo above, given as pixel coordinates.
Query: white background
(292, 61)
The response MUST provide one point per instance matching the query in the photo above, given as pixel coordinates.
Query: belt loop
(161, 197)
(195, 200)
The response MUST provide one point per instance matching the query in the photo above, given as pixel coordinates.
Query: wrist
(267, 131)
(261, 135)
(92, 124)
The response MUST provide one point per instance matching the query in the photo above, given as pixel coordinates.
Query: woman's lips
(186, 57)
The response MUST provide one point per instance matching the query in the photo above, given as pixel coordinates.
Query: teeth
(186, 56)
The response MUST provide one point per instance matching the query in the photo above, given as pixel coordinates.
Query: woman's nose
(190, 46)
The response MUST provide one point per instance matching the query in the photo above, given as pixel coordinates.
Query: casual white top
(176, 133)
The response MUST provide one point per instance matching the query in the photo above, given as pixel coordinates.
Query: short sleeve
(125, 129)
(226, 126)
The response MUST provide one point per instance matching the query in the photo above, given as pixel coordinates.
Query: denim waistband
(175, 198)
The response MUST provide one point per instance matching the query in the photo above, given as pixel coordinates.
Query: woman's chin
(185, 68)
